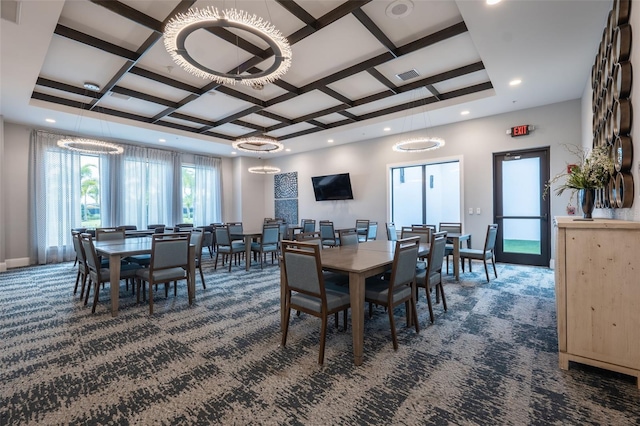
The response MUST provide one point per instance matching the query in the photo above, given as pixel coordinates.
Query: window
(425, 193)
(90, 191)
(188, 193)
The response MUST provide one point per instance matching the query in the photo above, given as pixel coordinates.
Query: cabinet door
(603, 295)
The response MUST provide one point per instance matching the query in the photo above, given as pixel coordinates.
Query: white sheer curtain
(146, 184)
(54, 207)
(207, 208)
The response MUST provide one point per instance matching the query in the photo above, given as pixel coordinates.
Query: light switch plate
(478, 210)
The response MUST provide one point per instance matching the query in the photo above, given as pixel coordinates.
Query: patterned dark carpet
(490, 360)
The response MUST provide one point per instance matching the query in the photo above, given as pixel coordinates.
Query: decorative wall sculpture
(611, 80)
(285, 187)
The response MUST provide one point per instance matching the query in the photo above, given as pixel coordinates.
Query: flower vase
(587, 198)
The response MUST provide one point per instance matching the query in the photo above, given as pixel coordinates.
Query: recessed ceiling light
(387, 129)
(515, 82)
(492, 2)
(330, 140)
(399, 9)
(233, 153)
(464, 113)
(162, 140)
(288, 149)
(49, 120)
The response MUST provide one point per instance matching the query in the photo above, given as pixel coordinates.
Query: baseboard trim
(552, 264)
(3, 267)
(17, 263)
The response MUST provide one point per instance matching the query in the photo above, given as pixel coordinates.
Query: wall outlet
(470, 210)
(478, 210)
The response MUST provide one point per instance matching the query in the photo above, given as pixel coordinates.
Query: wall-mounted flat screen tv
(332, 187)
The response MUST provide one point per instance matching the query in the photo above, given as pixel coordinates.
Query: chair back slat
(169, 251)
(302, 268)
(423, 233)
(235, 228)
(404, 261)
(436, 252)
(91, 257)
(222, 235)
(109, 234)
(308, 225)
(348, 237)
(270, 234)
(450, 227)
(392, 234)
(490, 241)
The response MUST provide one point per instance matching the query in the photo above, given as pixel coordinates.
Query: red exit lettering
(520, 130)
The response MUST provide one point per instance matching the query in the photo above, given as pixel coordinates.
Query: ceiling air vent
(120, 96)
(408, 75)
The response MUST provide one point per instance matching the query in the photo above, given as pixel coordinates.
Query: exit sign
(522, 130)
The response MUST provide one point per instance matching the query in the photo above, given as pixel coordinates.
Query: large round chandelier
(418, 144)
(90, 146)
(182, 25)
(264, 170)
(258, 144)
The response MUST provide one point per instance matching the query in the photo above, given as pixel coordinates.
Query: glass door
(524, 234)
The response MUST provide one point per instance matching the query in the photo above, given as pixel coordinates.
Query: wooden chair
(80, 261)
(328, 233)
(269, 242)
(487, 253)
(400, 288)
(169, 262)
(348, 237)
(108, 234)
(449, 227)
(197, 239)
(225, 246)
(305, 289)
(308, 225)
(432, 276)
(392, 234)
(98, 275)
(362, 226)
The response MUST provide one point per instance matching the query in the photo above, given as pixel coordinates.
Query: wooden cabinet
(597, 275)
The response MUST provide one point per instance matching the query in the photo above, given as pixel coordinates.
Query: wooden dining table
(115, 250)
(359, 262)
(457, 238)
(248, 237)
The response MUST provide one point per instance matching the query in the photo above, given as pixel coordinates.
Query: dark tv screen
(332, 187)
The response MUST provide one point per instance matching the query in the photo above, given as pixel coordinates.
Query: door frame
(544, 257)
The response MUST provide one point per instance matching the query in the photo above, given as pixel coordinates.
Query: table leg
(356, 291)
(114, 282)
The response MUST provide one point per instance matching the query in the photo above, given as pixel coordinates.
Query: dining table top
(363, 256)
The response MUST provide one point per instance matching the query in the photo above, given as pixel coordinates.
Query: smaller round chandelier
(419, 144)
(264, 170)
(184, 24)
(90, 146)
(257, 144)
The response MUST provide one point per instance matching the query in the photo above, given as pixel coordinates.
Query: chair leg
(215, 262)
(493, 262)
(86, 296)
(345, 320)
(486, 270)
(429, 304)
(75, 289)
(393, 329)
(323, 338)
(84, 282)
(444, 300)
(287, 313)
(202, 277)
(96, 291)
(414, 314)
(150, 298)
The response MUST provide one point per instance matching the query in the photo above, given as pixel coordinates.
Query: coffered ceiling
(343, 83)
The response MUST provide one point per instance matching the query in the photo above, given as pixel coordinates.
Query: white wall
(473, 141)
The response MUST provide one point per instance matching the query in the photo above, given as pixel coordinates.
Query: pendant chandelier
(264, 169)
(258, 144)
(184, 24)
(88, 145)
(420, 143)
